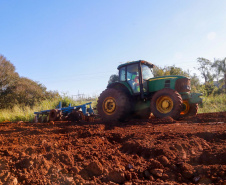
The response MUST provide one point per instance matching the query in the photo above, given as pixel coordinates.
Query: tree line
(213, 73)
(17, 90)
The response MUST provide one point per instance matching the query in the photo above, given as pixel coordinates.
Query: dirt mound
(151, 151)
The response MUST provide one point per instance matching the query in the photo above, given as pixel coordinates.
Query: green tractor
(138, 94)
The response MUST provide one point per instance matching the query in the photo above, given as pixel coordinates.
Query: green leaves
(169, 70)
(205, 67)
(113, 78)
(8, 76)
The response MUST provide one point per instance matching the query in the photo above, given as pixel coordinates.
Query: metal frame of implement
(86, 111)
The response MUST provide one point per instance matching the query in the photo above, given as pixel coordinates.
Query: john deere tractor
(138, 93)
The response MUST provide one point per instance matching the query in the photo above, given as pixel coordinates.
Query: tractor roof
(134, 62)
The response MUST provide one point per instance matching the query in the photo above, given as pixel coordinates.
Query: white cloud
(211, 35)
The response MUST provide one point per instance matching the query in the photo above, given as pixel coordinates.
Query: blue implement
(84, 110)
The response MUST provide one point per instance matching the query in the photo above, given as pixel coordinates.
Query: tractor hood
(178, 83)
(169, 77)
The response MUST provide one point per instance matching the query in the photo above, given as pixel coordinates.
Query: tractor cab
(136, 75)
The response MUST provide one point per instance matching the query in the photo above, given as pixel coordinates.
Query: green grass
(18, 113)
(212, 103)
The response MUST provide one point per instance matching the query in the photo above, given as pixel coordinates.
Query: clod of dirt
(51, 123)
(78, 157)
(165, 120)
(66, 158)
(168, 120)
(116, 176)
(12, 181)
(187, 170)
(95, 168)
(29, 151)
(75, 170)
(157, 172)
(182, 154)
(25, 163)
(3, 164)
(69, 180)
(165, 176)
(155, 164)
(49, 156)
(148, 175)
(163, 160)
(128, 175)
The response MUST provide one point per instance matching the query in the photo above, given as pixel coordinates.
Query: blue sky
(72, 46)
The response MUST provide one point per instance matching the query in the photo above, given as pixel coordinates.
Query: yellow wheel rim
(164, 104)
(109, 105)
(186, 107)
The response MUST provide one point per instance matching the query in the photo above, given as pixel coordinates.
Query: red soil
(154, 151)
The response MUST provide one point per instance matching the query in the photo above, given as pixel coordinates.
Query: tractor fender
(121, 86)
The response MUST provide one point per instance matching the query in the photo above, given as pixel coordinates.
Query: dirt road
(150, 151)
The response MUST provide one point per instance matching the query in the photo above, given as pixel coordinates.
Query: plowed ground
(154, 151)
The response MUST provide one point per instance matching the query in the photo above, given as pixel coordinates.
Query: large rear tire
(166, 102)
(113, 105)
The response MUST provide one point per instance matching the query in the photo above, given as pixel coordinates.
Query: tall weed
(213, 103)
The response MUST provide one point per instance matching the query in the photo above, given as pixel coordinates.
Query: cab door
(133, 77)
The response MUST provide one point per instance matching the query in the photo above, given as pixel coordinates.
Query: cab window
(122, 74)
(133, 77)
(146, 75)
(146, 72)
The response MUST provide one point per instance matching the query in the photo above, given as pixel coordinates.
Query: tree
(169, 70)
(220, 66)
(205, 69)
(173, 70)
(27, 92)
(158, 71)
(113, 78)
(8, 76)
(195, 83)
(8, 80)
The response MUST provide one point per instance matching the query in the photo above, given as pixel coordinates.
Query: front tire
(113, 105)
(166, 102)
(189, 109)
